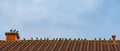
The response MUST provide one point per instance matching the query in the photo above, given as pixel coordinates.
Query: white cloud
(43, 14)
(30, 10)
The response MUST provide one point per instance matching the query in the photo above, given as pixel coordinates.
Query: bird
(14, 30)
(10, 30)
(17, 31)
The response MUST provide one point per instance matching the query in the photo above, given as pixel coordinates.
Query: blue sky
(61, 18)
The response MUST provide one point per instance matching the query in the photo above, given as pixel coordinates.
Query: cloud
(53, 16)
(36, 10)
(45, 14)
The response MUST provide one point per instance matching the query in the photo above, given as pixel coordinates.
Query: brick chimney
(13, 35)
(114, 38)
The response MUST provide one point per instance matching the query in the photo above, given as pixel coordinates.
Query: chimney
(114, 38)
(13, 35)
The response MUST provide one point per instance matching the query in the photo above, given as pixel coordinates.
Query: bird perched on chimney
(10, 30)
(14, 30)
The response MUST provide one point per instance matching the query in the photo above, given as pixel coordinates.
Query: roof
(60, 45)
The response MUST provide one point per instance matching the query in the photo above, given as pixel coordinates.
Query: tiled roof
(60, 45)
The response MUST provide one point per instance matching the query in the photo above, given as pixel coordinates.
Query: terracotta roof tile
(60, 45)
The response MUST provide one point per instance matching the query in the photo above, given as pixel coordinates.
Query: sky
(60, 18)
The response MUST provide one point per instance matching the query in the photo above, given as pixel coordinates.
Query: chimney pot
(113, 37)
